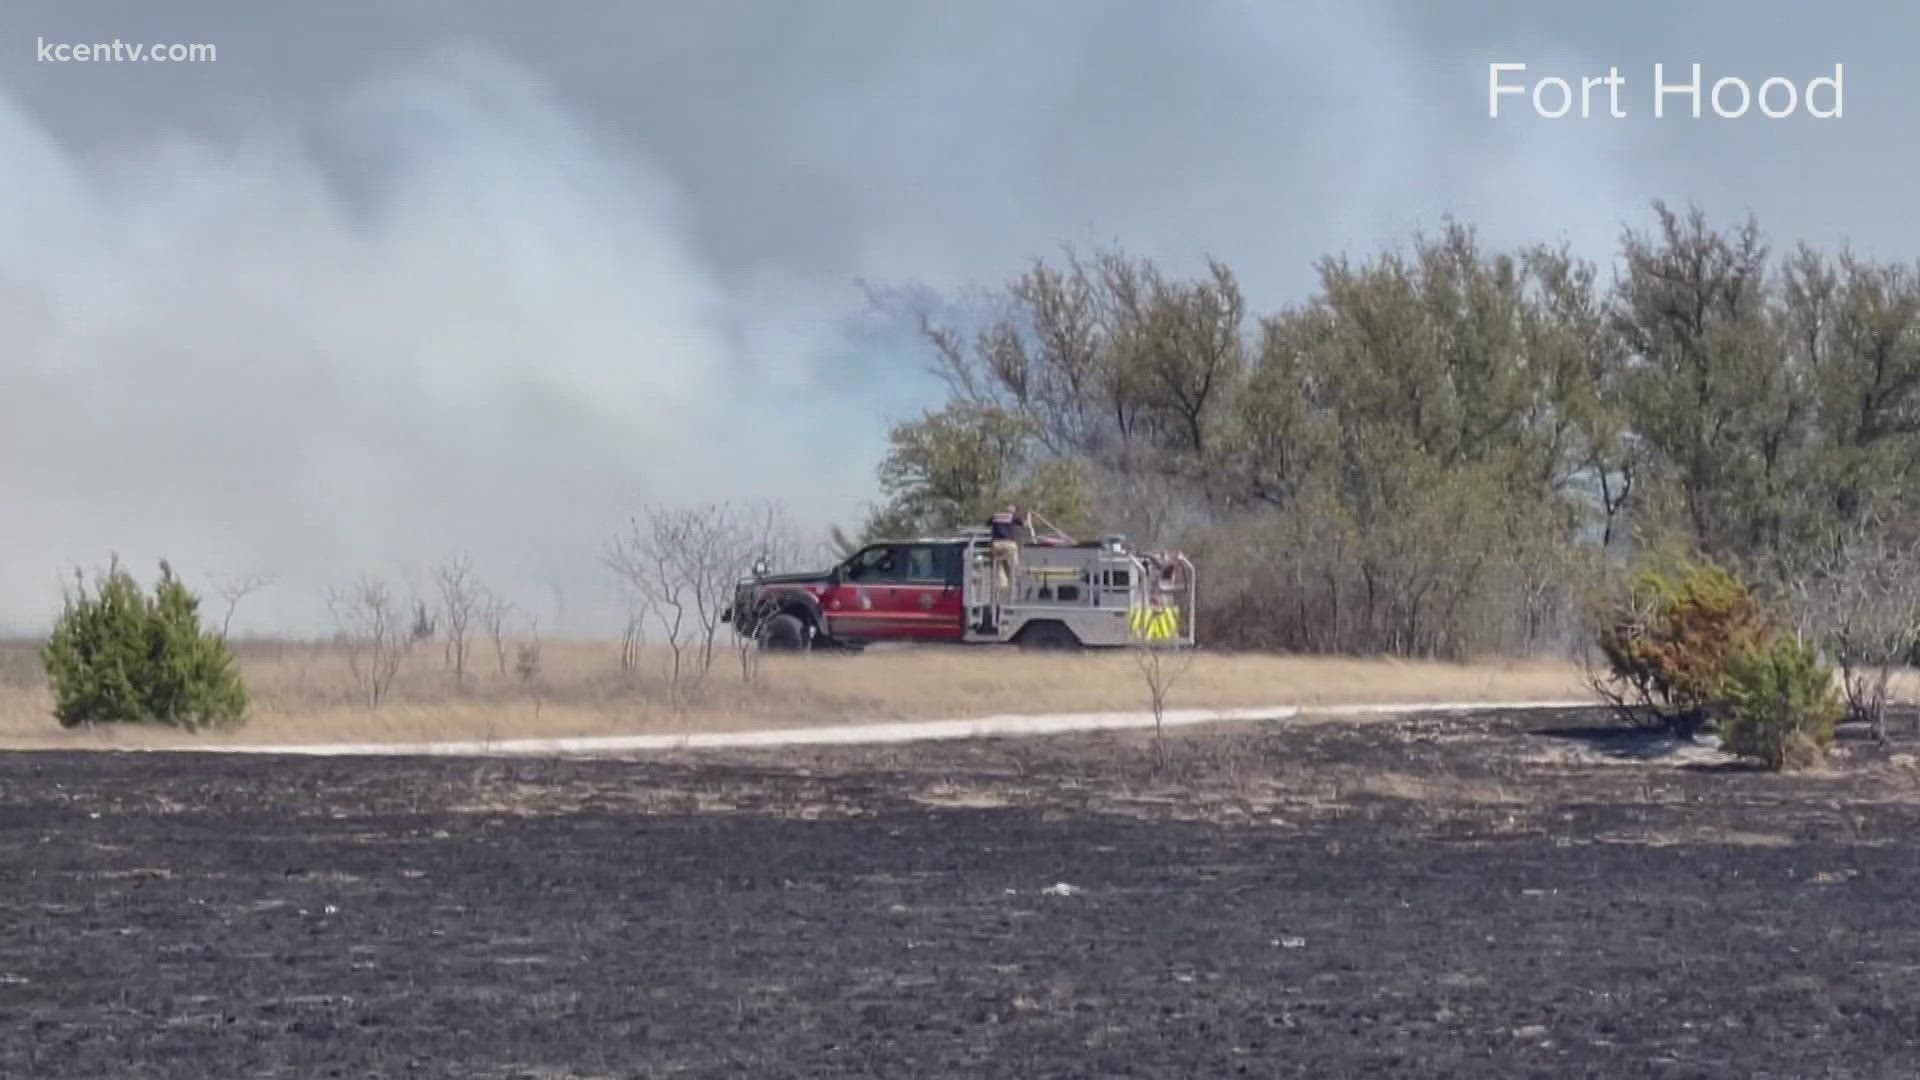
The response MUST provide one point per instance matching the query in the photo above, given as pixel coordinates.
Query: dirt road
(872, 732)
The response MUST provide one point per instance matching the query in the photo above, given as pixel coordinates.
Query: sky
(395, 279)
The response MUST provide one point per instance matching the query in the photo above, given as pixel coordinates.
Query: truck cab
(912, 590)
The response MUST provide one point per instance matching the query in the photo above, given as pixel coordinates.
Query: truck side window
(923, 565)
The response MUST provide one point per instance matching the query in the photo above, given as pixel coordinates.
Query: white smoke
(494, 336)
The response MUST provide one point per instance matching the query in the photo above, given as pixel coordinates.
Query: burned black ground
(1474, 896)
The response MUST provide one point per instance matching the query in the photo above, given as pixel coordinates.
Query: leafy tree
(957, 466)
(1855, 327)
(1714, 395)
(1431, 454)
(1280, 440)
(1184, 355)
(118, 655)
(1588, 446)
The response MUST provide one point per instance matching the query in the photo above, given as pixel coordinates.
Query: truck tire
(1047, 634)
(784, 633)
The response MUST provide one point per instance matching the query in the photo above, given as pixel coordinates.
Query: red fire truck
(1057, 594)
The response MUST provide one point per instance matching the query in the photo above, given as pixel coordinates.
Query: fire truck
(1058, 594)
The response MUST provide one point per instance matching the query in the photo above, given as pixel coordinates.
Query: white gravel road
(982, 727)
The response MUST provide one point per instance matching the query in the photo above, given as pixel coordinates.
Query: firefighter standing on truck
(1006, 527)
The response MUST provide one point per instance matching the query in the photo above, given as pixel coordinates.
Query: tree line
(1445, 448)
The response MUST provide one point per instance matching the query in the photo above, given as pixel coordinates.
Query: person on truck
(1006, 528)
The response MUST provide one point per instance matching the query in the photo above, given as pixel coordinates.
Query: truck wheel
(784, 633)
(1046, 634)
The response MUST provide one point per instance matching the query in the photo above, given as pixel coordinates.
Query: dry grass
(305, 693)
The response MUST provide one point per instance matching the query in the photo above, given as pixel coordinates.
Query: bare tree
(681, 565)
(526, 664)
(633, 638)
(495, 611)
(370, 626)
(1161, 663)
(747, 645)
(721, 544)
(760, 535)
(233, 590)
(462, 597)
(425, 626)
(526, 656)
(771, 536)
(1860, 599)
(649, 559)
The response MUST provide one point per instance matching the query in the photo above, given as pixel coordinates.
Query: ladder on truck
(982, 593)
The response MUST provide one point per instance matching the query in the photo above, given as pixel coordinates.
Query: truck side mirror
(760, 568)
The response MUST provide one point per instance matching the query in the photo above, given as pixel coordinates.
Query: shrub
(1781, 705)
(1667, 640)
(118, 655)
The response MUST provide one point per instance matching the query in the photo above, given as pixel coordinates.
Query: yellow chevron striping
(1154, 623)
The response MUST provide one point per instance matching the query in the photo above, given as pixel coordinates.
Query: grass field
(307, 692)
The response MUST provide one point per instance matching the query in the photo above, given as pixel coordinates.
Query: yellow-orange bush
(1669, 635)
